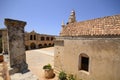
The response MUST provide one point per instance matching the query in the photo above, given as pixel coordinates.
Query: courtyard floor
(36, 59)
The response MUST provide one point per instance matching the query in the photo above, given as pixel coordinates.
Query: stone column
(16, 45)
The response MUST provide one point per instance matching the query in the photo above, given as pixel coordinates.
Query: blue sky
(46, 16)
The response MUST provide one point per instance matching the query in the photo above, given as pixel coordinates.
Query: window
(84, 62)
(47, 38)
(51, 38)
(34, 37)
(42, 38)
(30, 37)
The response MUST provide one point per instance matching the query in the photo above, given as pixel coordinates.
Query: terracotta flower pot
(49, 73)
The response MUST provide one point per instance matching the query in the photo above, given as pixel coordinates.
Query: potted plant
(48, 70)
(62, 75)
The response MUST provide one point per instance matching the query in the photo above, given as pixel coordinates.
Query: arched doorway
(49, 44)
(45, 45)
(26, 47)
(32, 45)
(40, 45)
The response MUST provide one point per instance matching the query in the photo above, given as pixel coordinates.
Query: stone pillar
(16, 45)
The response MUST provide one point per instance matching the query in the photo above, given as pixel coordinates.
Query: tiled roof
(109, 25)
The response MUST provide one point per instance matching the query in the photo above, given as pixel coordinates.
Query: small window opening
(34, 37)
(84, 63)
(30, 37)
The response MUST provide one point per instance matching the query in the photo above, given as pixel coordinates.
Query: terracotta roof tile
(109, 25)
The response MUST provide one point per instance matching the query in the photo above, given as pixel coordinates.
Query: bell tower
(72, 17)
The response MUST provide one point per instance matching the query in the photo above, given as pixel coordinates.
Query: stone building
(35, 40)
(32, 39)
(90, 50)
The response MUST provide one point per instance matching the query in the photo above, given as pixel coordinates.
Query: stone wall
(104, 57)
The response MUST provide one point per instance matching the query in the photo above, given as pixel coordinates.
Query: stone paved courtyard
(1, 71)
(36, 59)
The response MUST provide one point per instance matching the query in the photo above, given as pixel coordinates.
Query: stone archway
(26, 47)
(40, 46)
(33, 46)
(49, 44)
(45, 45)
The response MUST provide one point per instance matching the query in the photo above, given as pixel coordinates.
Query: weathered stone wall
(103, 53)
(58, 58)
(16, 45)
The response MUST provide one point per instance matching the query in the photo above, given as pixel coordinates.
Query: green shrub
(62, 75)
(71, 77)
(48, 66)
